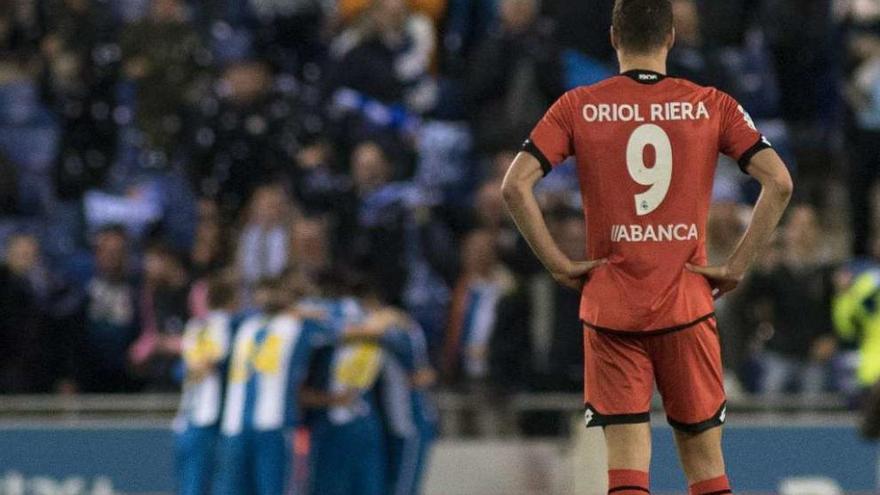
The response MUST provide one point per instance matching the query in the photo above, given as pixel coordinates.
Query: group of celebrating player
(321, 390)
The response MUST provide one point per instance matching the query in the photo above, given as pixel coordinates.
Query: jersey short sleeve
(551, 141)
(740, 138)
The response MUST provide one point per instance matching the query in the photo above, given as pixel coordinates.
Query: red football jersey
(646, 147)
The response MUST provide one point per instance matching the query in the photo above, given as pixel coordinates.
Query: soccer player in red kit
(646, 147)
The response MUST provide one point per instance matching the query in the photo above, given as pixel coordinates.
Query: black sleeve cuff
(746, 157)
(530, 148)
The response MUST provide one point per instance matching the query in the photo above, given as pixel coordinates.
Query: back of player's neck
(648, 63)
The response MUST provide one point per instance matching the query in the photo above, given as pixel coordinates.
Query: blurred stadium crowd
(148, 144)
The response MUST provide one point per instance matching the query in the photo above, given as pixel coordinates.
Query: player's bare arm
(776, 190)
(519, 196)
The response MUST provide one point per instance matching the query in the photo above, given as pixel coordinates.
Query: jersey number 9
(659, 176)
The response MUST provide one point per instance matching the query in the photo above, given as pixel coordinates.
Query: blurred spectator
(163, 55)
(378, 81)
(856, 321)
(81, 69)
(209, 251)
(321, 189)
(537, 342)
(20, 32)
(514, 76)
(244, 138)
(855, 315)
(583, 26)
(289, 32)
(264, 242)
(163, 315)
(688, 58)
(208, 255)
(310, 251)
(380, 238)
(28, 321)
(481, 285)
(318, 185)
(793, 301)
(489, 213)
(386, 55)
(800, 35)
(727, 222)
(9, 195)
(467, 23)
(725, 24)
(489, 209)
(398, 240)
(862, 93)
(111, 317)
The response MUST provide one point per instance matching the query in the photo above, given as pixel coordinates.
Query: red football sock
(627, 482)
(715, 486)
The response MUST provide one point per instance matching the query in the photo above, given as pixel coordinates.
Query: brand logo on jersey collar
(644, 76)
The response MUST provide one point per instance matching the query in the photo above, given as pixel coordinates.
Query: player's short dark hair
(642, 26)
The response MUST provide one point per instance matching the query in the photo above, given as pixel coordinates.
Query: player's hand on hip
(574, 275)
(722, 278)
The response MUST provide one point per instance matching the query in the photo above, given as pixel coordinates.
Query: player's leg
(402, 458)
(182, 468)
(629, 446)
(272, 462)
(629, 458)
(369, 465)
(618, 383)
(198, 455)
(395, 446)
(232, 475)
(427, 436)
(330, 460)
(687, 367)
(701, 456)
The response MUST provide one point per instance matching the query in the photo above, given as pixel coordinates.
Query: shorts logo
(588, 416)
(723, 415)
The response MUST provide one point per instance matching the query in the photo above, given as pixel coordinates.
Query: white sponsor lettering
(658, 112)
(654, 233)
(612, 113)
(747, 118)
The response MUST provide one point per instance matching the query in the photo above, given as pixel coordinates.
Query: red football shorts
(621, 369)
